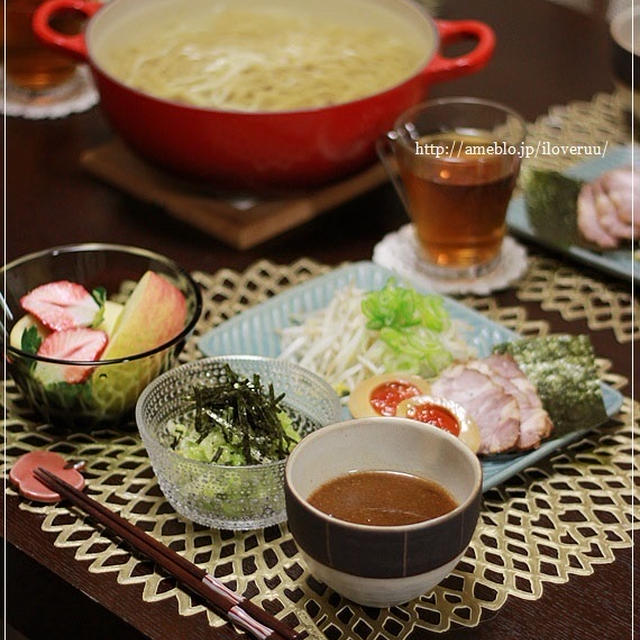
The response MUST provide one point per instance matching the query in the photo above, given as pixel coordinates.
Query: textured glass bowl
(109, 396)
(226, 497)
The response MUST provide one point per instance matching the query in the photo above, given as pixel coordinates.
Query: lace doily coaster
(400, 252)
(73, 96)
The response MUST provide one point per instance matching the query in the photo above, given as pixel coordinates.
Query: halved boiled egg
(444, 414)
(380, 395)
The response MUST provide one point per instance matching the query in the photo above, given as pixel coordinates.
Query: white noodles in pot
(262, 61)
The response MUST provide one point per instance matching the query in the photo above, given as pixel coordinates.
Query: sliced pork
(588, 221)
(494, 410)
(500, 398)
(608, 217)
(535, 423)
(625, 206)
(606, 208)
(623, 188)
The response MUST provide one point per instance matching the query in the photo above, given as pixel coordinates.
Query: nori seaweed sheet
(551, 201)
(563, 369)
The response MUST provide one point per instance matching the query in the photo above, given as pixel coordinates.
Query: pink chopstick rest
(21, 475)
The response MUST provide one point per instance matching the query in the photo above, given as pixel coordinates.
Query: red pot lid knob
(21, 475)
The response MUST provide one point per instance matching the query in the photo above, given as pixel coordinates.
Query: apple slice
(154, 313)
(112, 311)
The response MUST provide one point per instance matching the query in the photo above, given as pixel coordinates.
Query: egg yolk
(435, 415)
(386, 397)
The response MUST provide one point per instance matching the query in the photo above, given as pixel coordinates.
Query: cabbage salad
(235, 421)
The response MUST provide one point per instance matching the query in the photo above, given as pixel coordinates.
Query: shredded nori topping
(245, 413)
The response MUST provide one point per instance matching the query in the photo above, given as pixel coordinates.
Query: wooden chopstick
(235, 607)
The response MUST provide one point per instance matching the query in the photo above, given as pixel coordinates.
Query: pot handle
(73, 45)
(441, 68)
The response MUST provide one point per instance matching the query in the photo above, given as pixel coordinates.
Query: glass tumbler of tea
(458, 161)
(29, 64)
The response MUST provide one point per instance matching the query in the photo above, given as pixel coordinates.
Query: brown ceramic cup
(382, 565)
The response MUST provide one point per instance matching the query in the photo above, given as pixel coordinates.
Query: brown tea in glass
(458, 204)
(458, 163)
(30, 64)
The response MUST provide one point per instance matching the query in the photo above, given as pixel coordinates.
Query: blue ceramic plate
(618, 262)
(255, 332)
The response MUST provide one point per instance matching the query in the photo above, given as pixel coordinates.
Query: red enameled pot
(264, 149)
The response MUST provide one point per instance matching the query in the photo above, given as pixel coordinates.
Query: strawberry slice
(61, 305)
(71, 344)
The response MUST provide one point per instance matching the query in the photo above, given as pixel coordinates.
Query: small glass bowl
(228, 497)
(109, 396)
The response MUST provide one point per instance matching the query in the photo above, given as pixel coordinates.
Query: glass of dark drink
(29, 64)
(458, 161)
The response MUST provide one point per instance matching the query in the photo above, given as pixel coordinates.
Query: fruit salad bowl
(88, 326)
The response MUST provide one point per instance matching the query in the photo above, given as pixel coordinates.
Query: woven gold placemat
(602, 121)
(559, 518)
(558, 287)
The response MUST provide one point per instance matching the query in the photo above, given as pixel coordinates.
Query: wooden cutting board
(240, 221)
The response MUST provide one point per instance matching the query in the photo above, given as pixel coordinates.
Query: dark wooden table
(546, 55)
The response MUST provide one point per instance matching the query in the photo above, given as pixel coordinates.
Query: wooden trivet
(241, 221)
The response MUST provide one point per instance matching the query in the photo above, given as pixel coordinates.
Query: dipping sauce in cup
(383, 498)
(458, 162)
